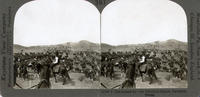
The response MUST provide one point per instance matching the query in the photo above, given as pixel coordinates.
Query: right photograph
(144, 44)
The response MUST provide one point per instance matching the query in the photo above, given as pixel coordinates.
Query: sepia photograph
(131, 44)
(144, 45)
(57, 45)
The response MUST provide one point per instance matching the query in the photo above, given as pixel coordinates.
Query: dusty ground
(78, 81)
(162, 82)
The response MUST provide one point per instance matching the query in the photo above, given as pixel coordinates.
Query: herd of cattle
(95, 64)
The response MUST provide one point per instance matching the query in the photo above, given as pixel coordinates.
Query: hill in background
(89, 46)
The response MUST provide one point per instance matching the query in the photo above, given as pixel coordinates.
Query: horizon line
(100, 43)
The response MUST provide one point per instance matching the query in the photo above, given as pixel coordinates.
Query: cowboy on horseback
(146, 66)
(142, 61)
(55, 63)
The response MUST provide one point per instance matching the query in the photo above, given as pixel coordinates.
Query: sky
(143, 21)
(48, 22)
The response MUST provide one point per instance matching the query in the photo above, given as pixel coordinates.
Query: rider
(56, 59)
(142, 59)
(55, 62)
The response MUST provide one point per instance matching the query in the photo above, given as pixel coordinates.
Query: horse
(44, 73)
(21, 68)
(24, 72)
(63, 71)
(130, 75)
(62, 68)
(147, 68)
(129, 82)
(110, 70)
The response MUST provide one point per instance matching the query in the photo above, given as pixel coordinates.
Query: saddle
(56, 68)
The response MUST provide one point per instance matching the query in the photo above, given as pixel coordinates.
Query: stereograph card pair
(100, 48)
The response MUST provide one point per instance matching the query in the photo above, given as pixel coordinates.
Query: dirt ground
(165, 80)
(79, 81)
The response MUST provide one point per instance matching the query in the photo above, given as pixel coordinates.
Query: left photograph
(57, 45)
